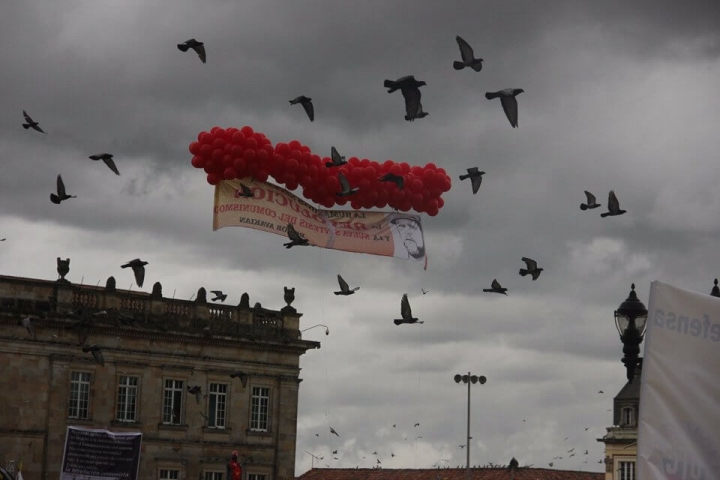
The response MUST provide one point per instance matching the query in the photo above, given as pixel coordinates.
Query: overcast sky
(618, 95)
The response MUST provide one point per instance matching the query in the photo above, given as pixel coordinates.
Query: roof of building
(447, 474)
(631, 390)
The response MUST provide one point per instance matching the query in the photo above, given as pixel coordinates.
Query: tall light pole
(631, 320)
(469, 379)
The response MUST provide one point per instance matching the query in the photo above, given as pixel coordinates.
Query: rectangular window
(213, 476)
(628, 417)
(260, 408)
(168, 474)
(127, 399)
(256, 476)
(79, 395)
(172, 402)
(627, 470)
(217, 405)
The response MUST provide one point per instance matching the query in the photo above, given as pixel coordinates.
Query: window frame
(162, 469)
(214, 473)
(215, 395)
(631, 410)
(88, 411)
(268, 420)
(257, 476)
(136, 387)
(181, 390)
(619, 465)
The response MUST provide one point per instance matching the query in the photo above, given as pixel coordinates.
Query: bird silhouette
(30, 123)
(295, 238)
(245, 191)
(307, 105)
(475, 177)
(406, 315)
(420, 113)
(345, 189)
(242, 376)
(410, 89)
(600, 391)
(613, 206)
(138, 268)
(199, 48)
(391, 177)
(424, 292)
(514, 465)
(334, 452)
(219, 295)
(495, 287)
(550, 464)
(336, 160)
(344, 288)
(532, 268)
(416, 425)
(334, 432)
(61, 194)
(468, 57)
(29, 326)
(591, 202)
(197, 391)
(508, 102)
(108, 159)
(96, 353)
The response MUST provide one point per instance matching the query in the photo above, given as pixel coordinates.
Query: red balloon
(262, 156)
(213, 178)
(440, 202)
(405, 206)
(251, 143)
(239, 165)
(214, 130)
(206, 150)
(198, 162)
(238, 138)
(364, 184)
(261, 175)
(415, 185)
(405, 167)
(396, 169)
(205, 137)
(295, 145)
(195, 148)
(218, 143)
(217, 154)
(227, 161)
(291, 164)
(430, 166)
(249, 155)
(417, 171)
(247, 131)
(355, 204)
(387, 165)
(333, 184)
(296, 154)
(433, 212)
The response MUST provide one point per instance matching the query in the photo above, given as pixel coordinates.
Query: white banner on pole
(679, 418)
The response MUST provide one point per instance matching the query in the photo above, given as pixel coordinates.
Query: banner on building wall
(679, 418)
(392, 234)
(92, 454)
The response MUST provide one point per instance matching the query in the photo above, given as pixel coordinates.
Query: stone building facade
(244, 359)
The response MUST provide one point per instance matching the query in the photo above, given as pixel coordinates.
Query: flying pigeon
(345, 189)
(468, 57)
(219, 295)
(475, 177)
(508, 101)
(307, 105)
(344, 288)
(337, 160)
(392, 454)
(461, 446)
(30, 123)
(551, 464)
(334, 452)
(295, 237)
(246, 192)
(3, 239)
(404, 82)
(108, 159)
(81, 328)
(333, 432)
(600, 391)
(410, 89)
(613, 206)
(378, 460)
(242, 376)
(375, 452)
(406, 314)
(591, 202)
(495, 287)
(195, 390)
(96, 353)
(61, 194)
(419, 114)
(532, 268)
(199, 48)
(138, 268)
(416, 425)
(394, 425)
(425, 292)
(391, 177)
(27, 323)
(317, 435)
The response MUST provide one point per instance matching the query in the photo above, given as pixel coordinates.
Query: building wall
(154, 339)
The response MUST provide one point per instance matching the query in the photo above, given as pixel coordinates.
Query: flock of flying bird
(410, 89)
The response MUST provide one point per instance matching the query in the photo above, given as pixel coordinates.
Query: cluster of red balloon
(237, 153)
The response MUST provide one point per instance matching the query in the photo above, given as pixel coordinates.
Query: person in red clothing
(234, 469)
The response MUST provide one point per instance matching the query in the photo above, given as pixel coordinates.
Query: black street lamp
(469, 379)
(631, 320)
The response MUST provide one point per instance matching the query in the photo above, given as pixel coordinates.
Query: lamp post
(631, 320)
(469, 379)
(327, 330)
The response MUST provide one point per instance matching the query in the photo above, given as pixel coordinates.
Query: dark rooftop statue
(715, 290)
(201, 296)
(110, 285)
(244, 300)
(63, 268)
(157, 290)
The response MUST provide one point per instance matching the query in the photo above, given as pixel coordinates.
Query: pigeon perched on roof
(514, 465)
(337, 160)
(468, 57)
(197, 391)
(391, 177)
(345, 189)
(199, 48)
(245, 191)
(96, 353)
(532, 268)
(219, 295)
(475, 177)
(509, 102)
(61, 194)
(613, 206)
(242, 376)
(307, 105)
(138, 268)
(344, 288)
(406, 314)
(295, 238)
(28, 324)
(30, 123)
(495, 287)
(591, 202)
(108, 159)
